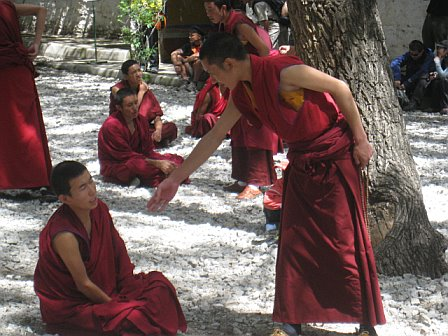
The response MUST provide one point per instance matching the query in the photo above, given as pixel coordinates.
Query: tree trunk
(344, 38)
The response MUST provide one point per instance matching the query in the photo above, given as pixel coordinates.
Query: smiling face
(135, 75)
(82, 196)
(216, 15)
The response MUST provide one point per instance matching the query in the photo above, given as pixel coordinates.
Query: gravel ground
(224, 282)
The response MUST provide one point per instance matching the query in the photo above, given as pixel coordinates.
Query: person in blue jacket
(411, 71)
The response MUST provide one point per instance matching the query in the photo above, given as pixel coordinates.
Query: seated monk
(148, 106)
(125, 147)
(209, 105)
(84, 278)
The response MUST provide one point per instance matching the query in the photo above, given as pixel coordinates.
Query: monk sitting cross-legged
(126, 150)
(162, 133)
(84, 278)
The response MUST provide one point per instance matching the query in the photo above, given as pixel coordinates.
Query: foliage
(136, 16)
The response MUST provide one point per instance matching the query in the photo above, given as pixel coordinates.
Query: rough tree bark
(344, 38)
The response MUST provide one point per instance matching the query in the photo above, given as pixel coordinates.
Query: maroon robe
(142, 304)
(202, 123)
(150, 109)
(252, 146)
(325, 267)
(23, 146)
(122, 154)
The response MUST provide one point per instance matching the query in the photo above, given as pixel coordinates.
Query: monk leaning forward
(325, 270)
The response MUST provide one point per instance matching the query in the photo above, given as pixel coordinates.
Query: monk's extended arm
(303, 76)
(67, 247)
(203, 150)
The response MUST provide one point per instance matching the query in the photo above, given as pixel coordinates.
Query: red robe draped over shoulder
(23, 143)
(202, 123)
(122, 155)
(325, 267)
(142, 304)
(150, 109)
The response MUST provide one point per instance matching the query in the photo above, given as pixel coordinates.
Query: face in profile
(194, 37)
(224, 75)
(214, 14)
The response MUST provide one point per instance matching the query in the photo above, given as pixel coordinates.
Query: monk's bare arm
(40, 13)
(205, 105)
(67, 247)
(206, 147)
(303, 76)
(248, 33)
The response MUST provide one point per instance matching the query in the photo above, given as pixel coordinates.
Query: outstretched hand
(163, 194)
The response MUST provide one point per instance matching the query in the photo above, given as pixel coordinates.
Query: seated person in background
(416, 62)
(84, 278)
(125, 148)
(440, 81)
(148, 106)
(209, 104)
(186, 60)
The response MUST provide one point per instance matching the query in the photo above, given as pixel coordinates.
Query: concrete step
(60, 50)
(78, 55)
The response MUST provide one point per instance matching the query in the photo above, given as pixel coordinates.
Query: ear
(228, 63)
(63, 198)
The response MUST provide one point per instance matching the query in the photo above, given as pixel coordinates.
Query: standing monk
(84, 278)
(325, 266)
(148, 106)
(126, 150)
(23, 146)
(252, 146)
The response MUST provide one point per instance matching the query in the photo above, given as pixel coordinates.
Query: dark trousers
(439, 93)
(435, 29)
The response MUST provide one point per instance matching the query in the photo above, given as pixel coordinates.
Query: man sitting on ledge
(84, 278)
(126, 150)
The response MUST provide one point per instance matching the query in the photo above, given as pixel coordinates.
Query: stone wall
(402, 19)
(402, 22)
(75, 17)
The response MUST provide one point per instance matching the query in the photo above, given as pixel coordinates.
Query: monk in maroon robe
(23, 146)
(126, 150)
(162, 133)
(84, 278)
(209, 104)
(252, 147)
(325, 266)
